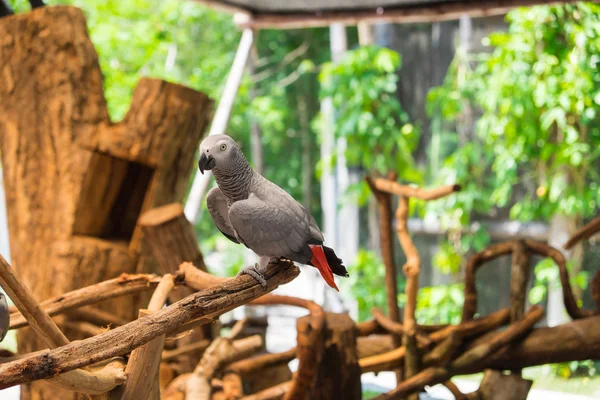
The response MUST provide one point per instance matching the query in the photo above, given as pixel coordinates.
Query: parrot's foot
(254, 272)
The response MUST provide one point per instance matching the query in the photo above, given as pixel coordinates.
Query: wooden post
(75, 182)
(171, 240)
(338, 373)
(384, 201)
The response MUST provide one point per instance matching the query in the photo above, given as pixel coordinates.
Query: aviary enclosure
(100, 243)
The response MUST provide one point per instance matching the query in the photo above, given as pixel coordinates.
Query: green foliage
(537, 143)
(368, 114)
(439, 304)
(367, 282)
(547, 276)
(179, 41)
(587, 368)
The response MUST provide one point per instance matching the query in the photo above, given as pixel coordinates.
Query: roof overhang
(294, 14)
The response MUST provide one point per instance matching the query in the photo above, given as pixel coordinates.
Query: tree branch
(203, 306)
(123, 285)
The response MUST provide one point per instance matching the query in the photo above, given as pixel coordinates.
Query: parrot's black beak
(206, 163)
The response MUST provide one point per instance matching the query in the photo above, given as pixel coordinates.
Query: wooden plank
(405, 15)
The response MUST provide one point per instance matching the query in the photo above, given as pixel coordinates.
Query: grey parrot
(251, 210)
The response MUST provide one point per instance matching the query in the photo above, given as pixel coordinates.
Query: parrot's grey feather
(217, 207)
(273, 224)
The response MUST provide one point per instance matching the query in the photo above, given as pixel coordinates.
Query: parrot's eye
(223, 147)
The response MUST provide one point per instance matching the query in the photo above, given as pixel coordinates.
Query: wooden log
(142, 369)
(170, 237)
(144, 362)
(338, 373)
(497, 386)
(203, 305)
(56, 142)
(171, 240)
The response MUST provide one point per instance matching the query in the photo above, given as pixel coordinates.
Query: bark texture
(75, 182)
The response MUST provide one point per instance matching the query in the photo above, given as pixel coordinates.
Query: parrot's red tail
(319, 260)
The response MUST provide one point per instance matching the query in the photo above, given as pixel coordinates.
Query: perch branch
(458, 395)
(411, 270)
(519, 276)
(585, 232)
(203, 305)
(535, 247)
(310, 341)
(472, 359)
(545, 250)
(179, 351)
(262, 362)
(384, 203)
(397, 328)
(369, 328)
(79, 380)
(38, 319)
(123, 285)
(176, 389)
(232, 386)
(198, 279)
(220, 352)
(392, 187)
(513, 332)
(391, 359)
(273, 393)
(441, 355)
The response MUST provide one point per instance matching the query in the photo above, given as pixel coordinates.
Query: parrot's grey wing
(219, 211)
(273, 228)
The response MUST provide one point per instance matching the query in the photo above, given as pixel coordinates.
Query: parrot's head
(217, 151)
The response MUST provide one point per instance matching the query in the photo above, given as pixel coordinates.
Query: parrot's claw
(253, 272)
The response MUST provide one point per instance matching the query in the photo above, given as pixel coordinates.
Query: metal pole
(220, 120)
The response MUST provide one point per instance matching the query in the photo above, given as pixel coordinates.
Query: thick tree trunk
(76, 183)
